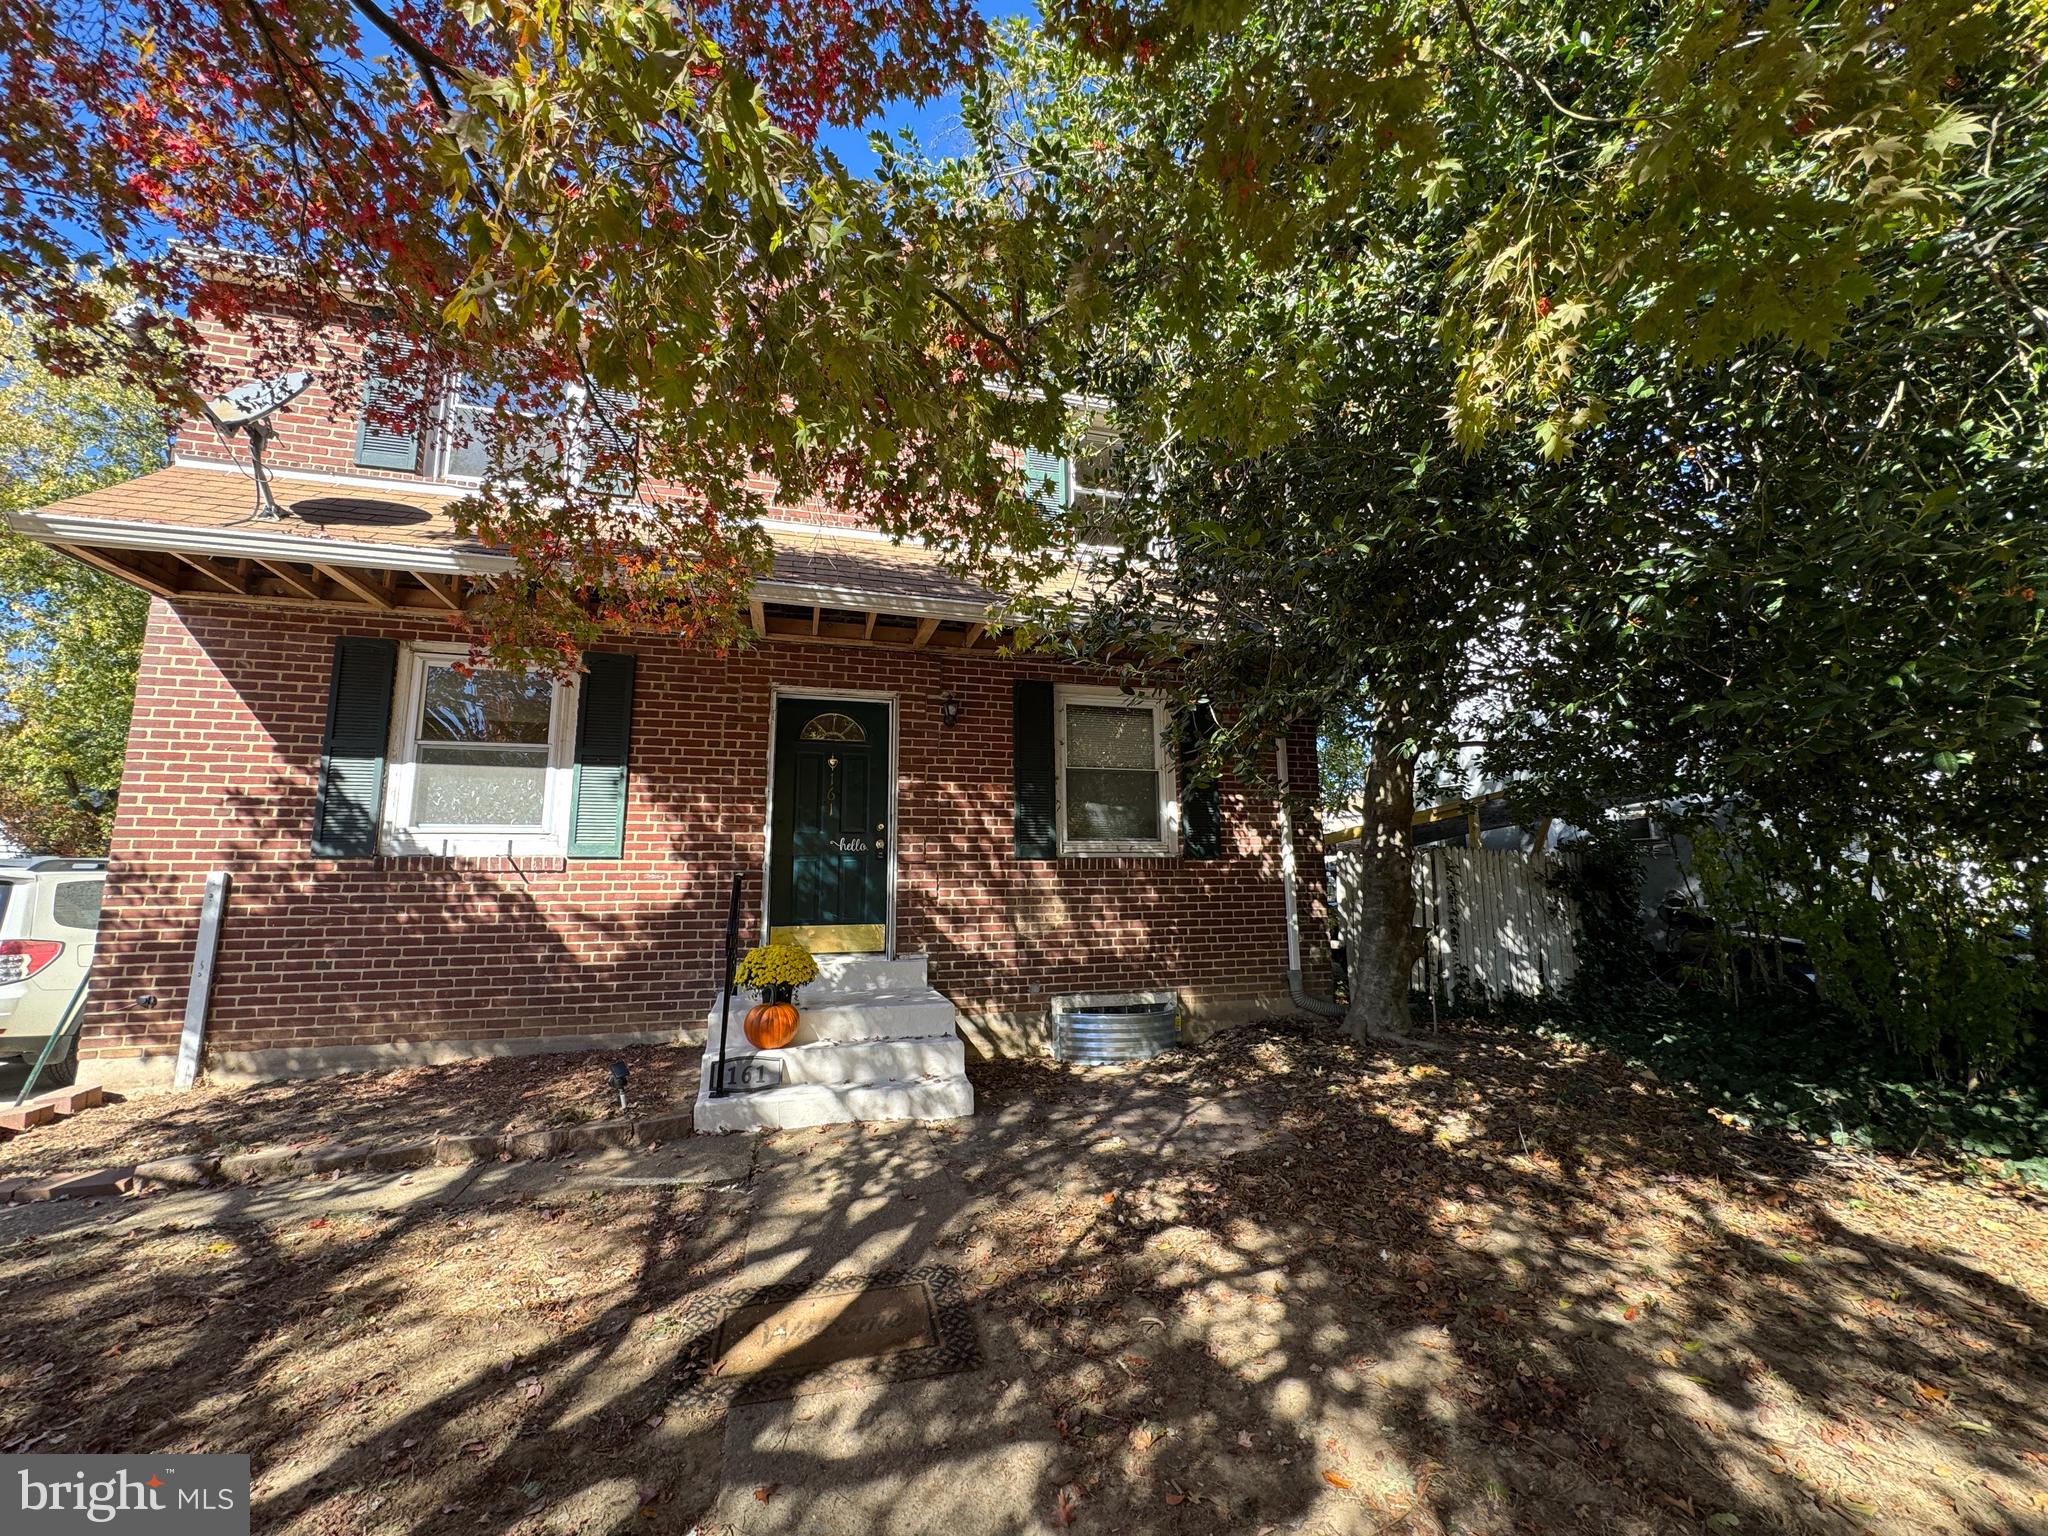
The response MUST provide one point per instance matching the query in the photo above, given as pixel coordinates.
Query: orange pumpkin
(771, 1025)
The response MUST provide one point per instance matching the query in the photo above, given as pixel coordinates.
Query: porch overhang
(186, 534)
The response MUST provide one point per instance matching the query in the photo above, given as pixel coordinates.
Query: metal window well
(1096, 1028)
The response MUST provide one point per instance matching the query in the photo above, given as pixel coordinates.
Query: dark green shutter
(1045, 475)
(388, 431)
(609, 434)
(1033, 770)
(351, 796)
(604, 734)
(1201, 808)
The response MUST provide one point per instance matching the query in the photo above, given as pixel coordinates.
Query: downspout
(1321, 1007)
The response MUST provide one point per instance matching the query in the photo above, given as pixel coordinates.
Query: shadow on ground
(1277, 1283)
(481, 1094)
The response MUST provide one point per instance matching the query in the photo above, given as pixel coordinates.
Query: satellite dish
(251, 402)
(247, 408)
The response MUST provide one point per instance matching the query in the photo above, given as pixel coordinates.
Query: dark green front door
(828, 851)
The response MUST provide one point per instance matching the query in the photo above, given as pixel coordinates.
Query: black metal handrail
(719, 1087)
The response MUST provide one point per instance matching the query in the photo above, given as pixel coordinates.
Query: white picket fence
(1489, 916)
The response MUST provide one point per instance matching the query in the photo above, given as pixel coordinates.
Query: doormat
(794, 1339)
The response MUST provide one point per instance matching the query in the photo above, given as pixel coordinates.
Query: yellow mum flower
(776, 965)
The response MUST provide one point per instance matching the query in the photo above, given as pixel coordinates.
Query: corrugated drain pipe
(1321, 1007)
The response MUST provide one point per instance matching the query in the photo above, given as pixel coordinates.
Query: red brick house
(426, 865)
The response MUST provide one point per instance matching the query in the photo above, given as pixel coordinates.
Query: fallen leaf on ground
(1063, 1507)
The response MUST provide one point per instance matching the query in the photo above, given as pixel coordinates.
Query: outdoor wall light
(949, 709)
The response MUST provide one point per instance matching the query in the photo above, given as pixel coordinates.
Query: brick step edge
(266, 1163)
(99, 1184)
(47, 1108)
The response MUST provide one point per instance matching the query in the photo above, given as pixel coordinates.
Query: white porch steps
(875, 1042)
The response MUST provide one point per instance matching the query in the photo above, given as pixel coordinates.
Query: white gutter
(358, 554)
(244, 543)
(1321, 1007)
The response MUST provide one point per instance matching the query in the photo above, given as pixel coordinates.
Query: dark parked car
(1764, 964)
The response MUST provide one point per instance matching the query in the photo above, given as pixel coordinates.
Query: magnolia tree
(1654, 390)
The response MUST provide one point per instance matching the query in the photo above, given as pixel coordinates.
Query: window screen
(483, 750)
(479, 419)
(1112, 774)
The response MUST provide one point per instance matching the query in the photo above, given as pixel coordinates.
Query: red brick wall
(318, 954)
(317, 433)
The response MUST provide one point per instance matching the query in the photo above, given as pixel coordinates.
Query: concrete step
(839, 974)
(800, 1104)
(848, 1061)
(905, 1015)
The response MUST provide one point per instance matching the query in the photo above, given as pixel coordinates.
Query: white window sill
(1117, 851)
(403, 843)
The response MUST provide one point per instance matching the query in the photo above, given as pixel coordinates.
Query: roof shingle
(401, 516)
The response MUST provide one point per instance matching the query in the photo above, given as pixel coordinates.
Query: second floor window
(474, 423)
(464, 441)
(1084, 488)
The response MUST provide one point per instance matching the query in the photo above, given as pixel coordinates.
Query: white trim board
(239, 543)
(448, 490)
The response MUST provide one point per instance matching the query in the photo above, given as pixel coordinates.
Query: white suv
(49, 922)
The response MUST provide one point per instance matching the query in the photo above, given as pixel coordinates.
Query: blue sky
(936, 124)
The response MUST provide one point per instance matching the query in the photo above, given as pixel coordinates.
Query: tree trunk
(1383, 951)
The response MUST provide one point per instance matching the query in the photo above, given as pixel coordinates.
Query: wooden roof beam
(307, 587)
(360, 585)
(448, 591)
(206, 568)
(101, 562)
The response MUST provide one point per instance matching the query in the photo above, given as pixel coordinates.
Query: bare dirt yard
(1494, 1284)
(506, 1093)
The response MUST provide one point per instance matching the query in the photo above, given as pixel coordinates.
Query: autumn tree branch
(1529, 78)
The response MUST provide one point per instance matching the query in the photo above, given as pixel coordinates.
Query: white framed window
(462, 437)
(1095, 475)
(596, 425)
(1118, 784)
(482, 759)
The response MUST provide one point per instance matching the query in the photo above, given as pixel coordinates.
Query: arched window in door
(833, 727)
